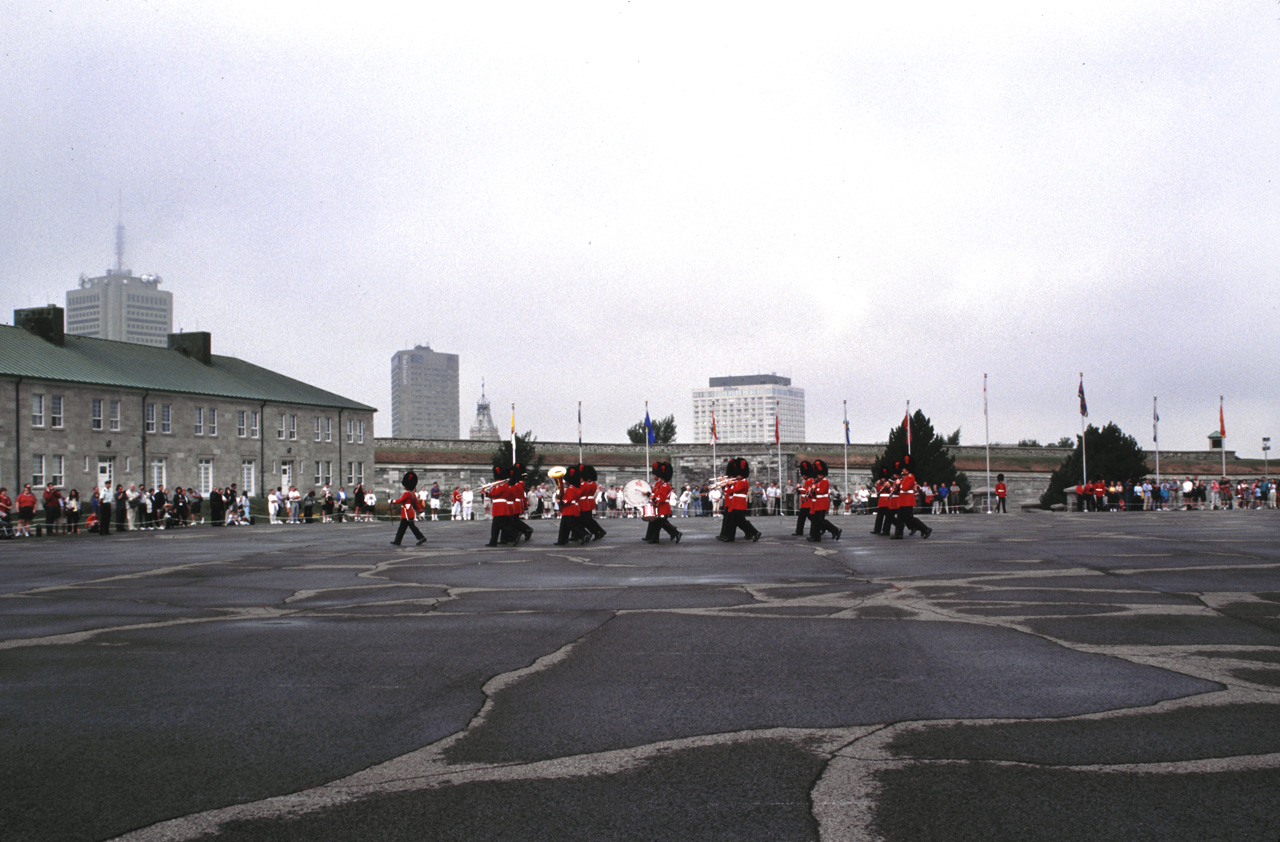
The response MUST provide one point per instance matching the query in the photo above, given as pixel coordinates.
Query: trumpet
(482, 489)
(719, 482)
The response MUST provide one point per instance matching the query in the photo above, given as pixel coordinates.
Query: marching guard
(906, 507)
(660, 498)
(735, 515)
(587, 503)
(570, 520)
(517, 503)
(884, 521)
(802, 490)
(409, 505)
(820, 503)
(499, 508)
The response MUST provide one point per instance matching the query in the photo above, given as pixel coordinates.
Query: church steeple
(484, 429)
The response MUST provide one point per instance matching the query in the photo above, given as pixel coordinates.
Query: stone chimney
(45, 322)
(198, 345)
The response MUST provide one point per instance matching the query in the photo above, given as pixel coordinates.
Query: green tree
(1065, 441)
(664, 431)
(1111, 455)
(1028, 443)
(954, 438)
(930, 460)
(526, 454)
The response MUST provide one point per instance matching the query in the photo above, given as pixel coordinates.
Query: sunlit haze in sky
(614, 201)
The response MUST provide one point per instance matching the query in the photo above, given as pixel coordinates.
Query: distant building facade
(424, 394)
(82, 412)
(744, 409)
(121, 306)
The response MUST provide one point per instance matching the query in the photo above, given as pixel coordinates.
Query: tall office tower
(424, 394)
(745, 406)
(120, 305)
(484, 429)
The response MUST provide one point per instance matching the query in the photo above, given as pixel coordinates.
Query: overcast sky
(614, 201)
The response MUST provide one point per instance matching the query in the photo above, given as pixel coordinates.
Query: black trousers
(884, 521)
(733, 521)
(408, 524)
(570, 527)
(818, 524)
(800, 519)
(663, 524)
(1000, 507)
(589, 524)
(518, 527)
(104, 518)
(907, 518)
(499, 530)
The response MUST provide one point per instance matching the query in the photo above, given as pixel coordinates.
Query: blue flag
(846, 431)
(648, 426)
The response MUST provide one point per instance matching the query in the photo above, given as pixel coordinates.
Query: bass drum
(648, 512)
(636, 493)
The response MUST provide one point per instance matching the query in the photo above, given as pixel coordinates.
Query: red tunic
(907, 492)
(820, 495)
(498, 496)
(1001, 489)
(408, 503)
(737, 495)
(586, 496)
(569, 502)
(805, 486)
(660, 496)
(515, 497)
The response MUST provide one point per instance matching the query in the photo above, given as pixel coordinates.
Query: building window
(328, 473)
(57, 467)
(351, 473)
(351, 434)
(199, 425)
(254, 419)
(293, 428)
(159, 473)
(359, 432)
(213, 420)
(249, 476)
(280, 429)
(206, 476)
(166, 418)
(37, 410)
(55, 411)
(95, 414)
(317, 428)
(114, 407)
(328, 429)
(317, 482)
(37, 472)
(360, 472)
(149, 417)
(242, 427)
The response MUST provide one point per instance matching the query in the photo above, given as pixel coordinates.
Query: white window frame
(213, 420)
(328, 429)
(205, 467)
(351, 431)
(198, 425)
(317, 428)
(351, 473)
(160, 472)
(249, 476)
(55, 412)
(280, 429)
(166, 419)
(37, 410)
(317, 482)
(359, 432)
(37, 471)
(242, 426)
(57, 471)
(255, 420)
(293, 428)
(360, 473)
(328, 473)
(113, 416)
(149, 418)
(95, 414)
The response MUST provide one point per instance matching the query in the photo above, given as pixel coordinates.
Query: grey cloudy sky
(614, 201)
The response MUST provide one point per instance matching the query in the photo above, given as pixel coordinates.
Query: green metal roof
(104, 362)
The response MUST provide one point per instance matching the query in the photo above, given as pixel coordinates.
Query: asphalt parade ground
(1030, 676)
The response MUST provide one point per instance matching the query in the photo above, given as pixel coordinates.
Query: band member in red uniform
(882, 504)
(891, 500)
(517, 502)
(587, 503)
(570, 525)
(735, 515)
(1001, 491)
(820, 503)
(499, 508)
(907, 507)
(802, 491)
(409, 505)
(660, 497)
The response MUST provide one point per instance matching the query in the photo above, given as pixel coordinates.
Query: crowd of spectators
(1188, 494)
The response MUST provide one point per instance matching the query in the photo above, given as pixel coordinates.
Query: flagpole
(1084, 455)
(777, 435)
(647, 430)
(846, 447)
(714, 437)
(1155, 432)
(986, 421)
(908, 432)
(513, 434)
(1222, 431)
(579, 432)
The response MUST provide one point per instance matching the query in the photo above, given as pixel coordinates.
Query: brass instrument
(484, 488)
(719, 482)
(557, 473)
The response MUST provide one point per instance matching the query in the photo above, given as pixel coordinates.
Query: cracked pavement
(1059, 677)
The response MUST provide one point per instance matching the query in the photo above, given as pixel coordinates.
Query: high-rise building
(745, 408)
(484, 429)
(424, 394)
(121, 306)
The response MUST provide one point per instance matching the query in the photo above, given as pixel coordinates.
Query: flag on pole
(846, 431)
(1222, 423)
(513, 434)
(906, 425)
(1155, 422)
(1084, 407)
(648, 425)
(714, 436)
(579, 425)
(777, 430)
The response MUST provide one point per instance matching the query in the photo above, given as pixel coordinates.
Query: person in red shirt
(735, 514)
(409, 505)
(907, 507)
(1001, 491)
(820, 503)
(660, 497)
(570, 525)
(587, 503)
(6, 506)
(26, 510)
(499, 507)
(806, 482)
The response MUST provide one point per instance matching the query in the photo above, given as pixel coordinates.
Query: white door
(106, 466)
(286, 476)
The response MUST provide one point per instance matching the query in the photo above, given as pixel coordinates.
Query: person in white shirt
(468, 499)
(273, 505)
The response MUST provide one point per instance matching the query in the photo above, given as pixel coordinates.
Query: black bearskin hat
(731, 468)
(517, 472)
(410, 481)
(805, 469)
(819, 467)
(589, 472)
(663, 470)
(744, 469)
(999, 477)
(500, 472)
(571, 476)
